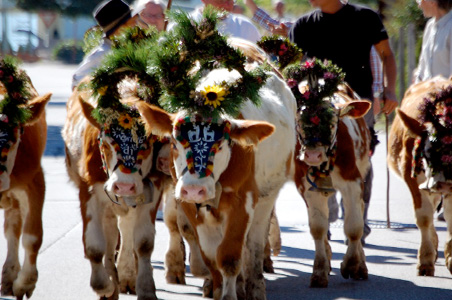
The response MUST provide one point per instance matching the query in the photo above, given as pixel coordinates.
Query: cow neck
(8, 137)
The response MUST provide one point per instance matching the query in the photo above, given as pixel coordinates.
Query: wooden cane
(168, 7)
(388, 218)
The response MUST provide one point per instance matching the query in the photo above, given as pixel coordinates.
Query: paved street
(64, 273)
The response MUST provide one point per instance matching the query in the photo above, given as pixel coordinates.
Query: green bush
(68, 52)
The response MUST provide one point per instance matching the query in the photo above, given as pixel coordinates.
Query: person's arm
(260, 16)
(377, 76)
(390, 73)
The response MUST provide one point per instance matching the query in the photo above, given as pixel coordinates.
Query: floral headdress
(437, 110)
(121, 123)
(315, 114)
(282, 49)
(191, 43)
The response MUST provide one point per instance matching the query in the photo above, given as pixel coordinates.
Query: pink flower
(447, 139)
(328, 75)
(446, 158)
(10, 79)
(315, 120)
(291, 82)
(4, 118)
(283, 49)
(306, 95)
(1, 73)
(309, 64)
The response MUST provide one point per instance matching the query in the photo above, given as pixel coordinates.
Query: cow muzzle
(200, 196)
(313, 157)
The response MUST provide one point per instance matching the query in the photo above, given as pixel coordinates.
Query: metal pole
(168, 7)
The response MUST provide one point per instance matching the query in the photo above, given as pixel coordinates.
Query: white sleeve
(88, 64)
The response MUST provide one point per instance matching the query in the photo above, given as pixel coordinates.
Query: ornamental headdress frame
(312, 82)
(282, 49)
(190, 50)
(436, 110)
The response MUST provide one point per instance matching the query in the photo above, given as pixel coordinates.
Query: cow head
(432, 152)
(126, 151)
(201, 148)
(317, 125)
(10, 133)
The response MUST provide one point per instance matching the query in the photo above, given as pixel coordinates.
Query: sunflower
(213, 95)
(125, 121)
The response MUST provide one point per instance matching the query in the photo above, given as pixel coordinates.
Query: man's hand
(389, 103)
(280, 29)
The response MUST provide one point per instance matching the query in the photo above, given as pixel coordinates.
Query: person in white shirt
(111, 15)
(233, 24)
(436, 54)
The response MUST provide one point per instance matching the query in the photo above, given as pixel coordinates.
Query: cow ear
(413, 126)
(250, 133)
(37, 107)
(158, 121)
(354, 109)
(87, 110)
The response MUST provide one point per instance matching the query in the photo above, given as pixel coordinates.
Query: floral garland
(315, 115)
(12, 110)
(280, 47)
(437, 110)
(207, 171)
(190, 43)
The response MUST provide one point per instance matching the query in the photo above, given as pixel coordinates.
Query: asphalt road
(390, 253)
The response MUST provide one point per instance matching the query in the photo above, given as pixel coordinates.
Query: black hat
(111, 14)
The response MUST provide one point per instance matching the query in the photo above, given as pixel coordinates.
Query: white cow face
(432, 155)
(201, 152)
(9, 143)
(126, 151)
(10, 139)
(127, 158)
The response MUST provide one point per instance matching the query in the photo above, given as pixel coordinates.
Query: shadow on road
(55, 143)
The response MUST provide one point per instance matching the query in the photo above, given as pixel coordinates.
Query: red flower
(1, 73)
(315, 120)
(446, 158)
(291, 82)
(306, 95)
(282, 50)
(173, 69)
(10, 79)
(447, 140)
(309, 64)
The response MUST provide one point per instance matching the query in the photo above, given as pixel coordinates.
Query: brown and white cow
(22, 189)
(136, 195)
(426, 191)
(347, 161)
(230, 209)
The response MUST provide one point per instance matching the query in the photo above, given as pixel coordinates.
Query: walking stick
(168, 7)
(388, 219)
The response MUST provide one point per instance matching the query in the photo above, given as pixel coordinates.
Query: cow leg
(318, 223)
(31, 237)
(12, 230)
(111, 232)
(175, 256)
(273, 243)
(354, 263)
(126, 259)
(447, 204)
(143, 236)
(428, 250)
(95, 240)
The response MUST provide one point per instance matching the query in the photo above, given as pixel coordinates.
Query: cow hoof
(7, 289)
(319, 281)
(25, 284)
(147, 297)
(268, 265)
(173, 278)
(227, 297)
(426, 271)
(351, 269)
(104, 291)
(207, 288)
(127, 286)
(449, 264)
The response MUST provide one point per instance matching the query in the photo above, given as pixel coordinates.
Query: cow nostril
(202, 192)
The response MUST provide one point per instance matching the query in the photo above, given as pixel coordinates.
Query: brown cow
(230, 209)
(22, 190)
(347, 161)
(128, 181)
(427, 188)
